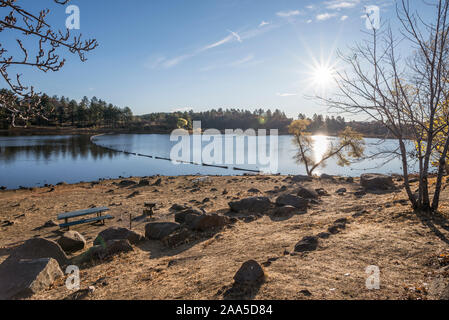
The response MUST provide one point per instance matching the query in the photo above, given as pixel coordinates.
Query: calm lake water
(39, 160)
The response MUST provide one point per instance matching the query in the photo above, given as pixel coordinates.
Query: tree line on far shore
(97, 113)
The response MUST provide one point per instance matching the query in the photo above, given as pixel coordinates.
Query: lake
(38, 160)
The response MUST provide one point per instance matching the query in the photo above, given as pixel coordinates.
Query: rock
(144, 183)
(255, 204)
(158, 182)
(306, 293)
(50, 224)
(307, 244)
(285, 211)
(3, 188)
(38, 248)
(254, 190)
(22, 279)
(178, 207)
(324, 235)
(376, 182)
(187, 216)
(134, 194)
(72, 241)
(336, 228)
(207, 222)
(326, 177)
(359, 194)
(350, 180)
(250, 273)
(341, 190)
(178, 238)
(114, 247)
(160, 230)
(321, 192)
(292, 200)
(117, 233)
(126, 183)
(307, 193)
(301, 178)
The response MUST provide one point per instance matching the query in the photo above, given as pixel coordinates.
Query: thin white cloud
(263, 23)
(244, 60)
(283, 95)
(325, 16)
(343, 18)
(236, 35)
(286, 14)
(341, 4)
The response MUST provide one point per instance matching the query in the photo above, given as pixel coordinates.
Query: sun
(323, 76)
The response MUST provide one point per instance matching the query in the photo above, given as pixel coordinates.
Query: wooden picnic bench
(70, 215)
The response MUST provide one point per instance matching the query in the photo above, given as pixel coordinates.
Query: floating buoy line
(92, 140)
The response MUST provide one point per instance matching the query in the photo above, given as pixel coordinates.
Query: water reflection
(321, 145)
(48, 148)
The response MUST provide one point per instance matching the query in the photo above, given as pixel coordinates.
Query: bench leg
(67, 221)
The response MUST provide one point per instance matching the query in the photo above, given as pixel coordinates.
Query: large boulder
(292, 200)
(207, 222)
(72, 241)
(249, 273)
(187, 216)
(253, 204)
(179, 237)
(374, 181)
(307, 193)
(160, 230)
(117, 233)
(38, 248)
(307, 244)
(23, 278)
(103, 251)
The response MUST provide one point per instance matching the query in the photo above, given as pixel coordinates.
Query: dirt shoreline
(381, 230)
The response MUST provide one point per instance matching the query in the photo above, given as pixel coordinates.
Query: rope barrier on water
(92, 140)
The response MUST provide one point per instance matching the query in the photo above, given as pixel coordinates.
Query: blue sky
(200, 54)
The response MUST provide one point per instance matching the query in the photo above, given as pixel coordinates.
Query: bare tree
(350, 145)
(39, 46)
(407, 95)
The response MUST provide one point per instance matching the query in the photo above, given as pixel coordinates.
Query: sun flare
(323, 76)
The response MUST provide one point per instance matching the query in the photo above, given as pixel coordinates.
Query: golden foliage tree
(350, 145)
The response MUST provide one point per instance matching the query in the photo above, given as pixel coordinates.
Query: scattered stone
(376, 182)
(321, 192)
(126, 183)
(158, 182)
(301, 178)
(324, 235)
(254, 190)
(336, 228)
(341, 190)
(255, 204)
(50, 224)
(205, 200)
(178, 207)
(350, 180)
(160, 230)
(307, 244)
(307, 193)
(250, 273)
(292, 200)
(22, 279)
(360, 194)
(134, 194)
(117, 233)
(306, 293)
(144, 183)
(326, 177)
(38, 248)
(72, 241)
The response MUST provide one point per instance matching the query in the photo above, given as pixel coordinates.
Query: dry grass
(383, 233)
